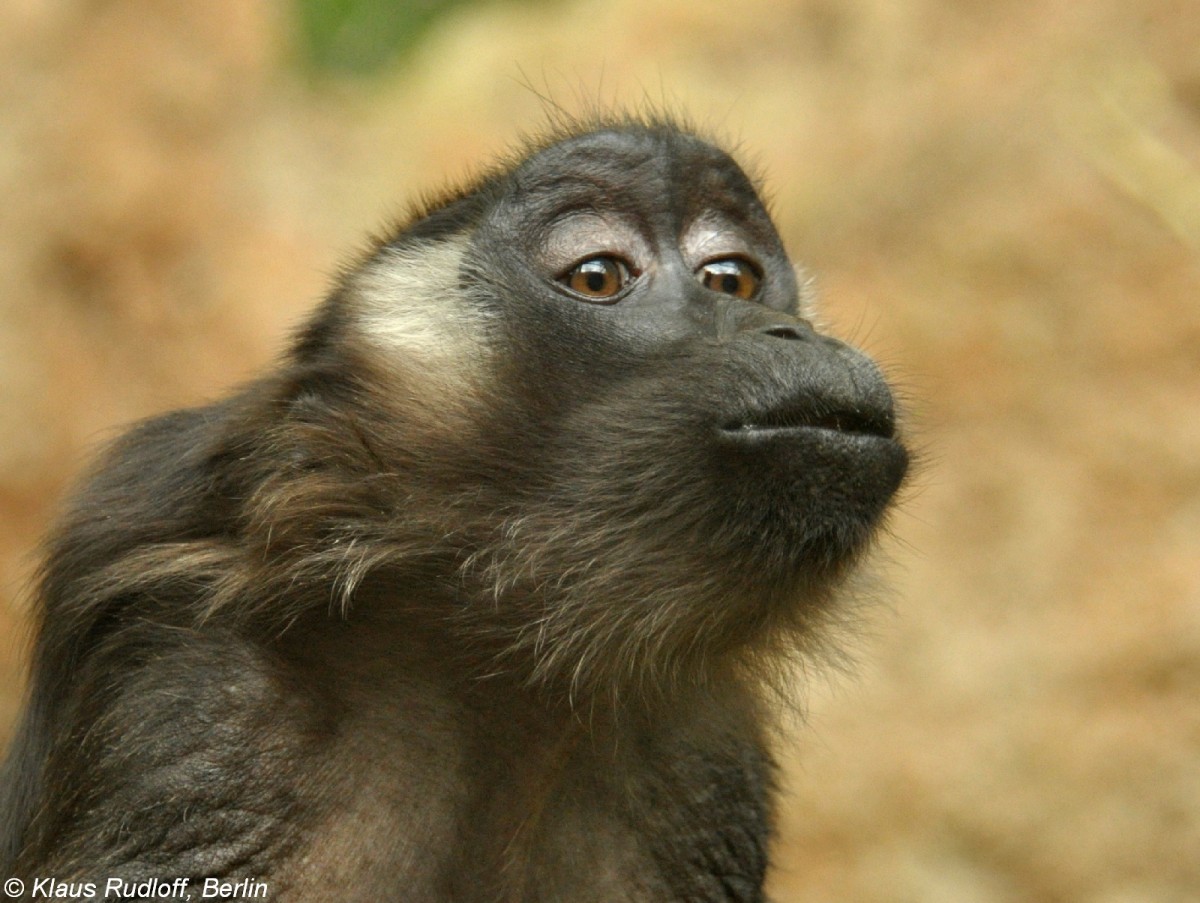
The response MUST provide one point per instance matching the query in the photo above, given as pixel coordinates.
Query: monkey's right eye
(597, 278)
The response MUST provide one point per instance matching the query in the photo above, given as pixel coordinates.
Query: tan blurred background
(1002, 203)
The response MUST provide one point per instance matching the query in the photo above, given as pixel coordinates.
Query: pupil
(596, 280)
(729, 283)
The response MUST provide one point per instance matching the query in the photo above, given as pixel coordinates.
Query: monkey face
(659, 319)
(654, 426)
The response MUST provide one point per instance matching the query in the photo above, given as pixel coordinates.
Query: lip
(795, 420)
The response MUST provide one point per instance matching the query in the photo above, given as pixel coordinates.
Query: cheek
(423, 342)
(406, 300)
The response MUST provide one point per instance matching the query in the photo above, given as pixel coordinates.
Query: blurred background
(1001, 201)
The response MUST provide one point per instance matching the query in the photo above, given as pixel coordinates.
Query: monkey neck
(420, 752)
(374, 658)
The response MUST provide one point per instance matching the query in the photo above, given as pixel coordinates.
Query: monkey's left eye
(732, 276)
(598, 278)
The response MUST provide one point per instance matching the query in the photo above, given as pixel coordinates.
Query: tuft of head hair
(561, 124)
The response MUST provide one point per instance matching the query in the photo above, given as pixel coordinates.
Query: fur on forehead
(561, 126)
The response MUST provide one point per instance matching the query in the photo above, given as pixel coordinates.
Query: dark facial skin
(478, 595)
(805, 422)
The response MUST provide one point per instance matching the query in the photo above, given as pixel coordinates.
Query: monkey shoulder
(171, 477)
(183, 766)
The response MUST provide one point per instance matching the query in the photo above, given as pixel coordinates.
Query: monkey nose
(785, 331)
(735, 318)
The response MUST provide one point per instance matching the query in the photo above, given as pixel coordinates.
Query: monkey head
(587, 384)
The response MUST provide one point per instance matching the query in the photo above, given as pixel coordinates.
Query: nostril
(784, 332)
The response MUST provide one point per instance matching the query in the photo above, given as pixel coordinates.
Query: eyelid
(571, 239)
(740, 256)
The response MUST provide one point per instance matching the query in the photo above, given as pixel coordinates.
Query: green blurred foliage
(359, 37)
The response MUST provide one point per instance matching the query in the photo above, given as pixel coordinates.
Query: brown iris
(732, 276)
(600, 278)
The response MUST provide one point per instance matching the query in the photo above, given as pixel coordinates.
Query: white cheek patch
(412, 310)
(409, 301)
(806, 285)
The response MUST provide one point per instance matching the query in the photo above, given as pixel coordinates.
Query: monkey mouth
(796, 419)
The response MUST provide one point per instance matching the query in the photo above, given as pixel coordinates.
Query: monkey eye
(731, 276)
(599, 278)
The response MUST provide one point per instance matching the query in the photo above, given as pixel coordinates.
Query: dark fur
(386, 627)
